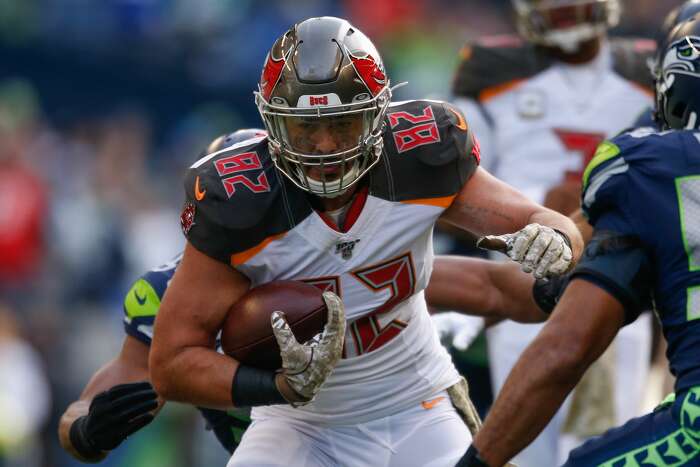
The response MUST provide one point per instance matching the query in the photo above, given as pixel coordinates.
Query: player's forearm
(194, 375)
(533, 392)
(516, 301)
(492, 289)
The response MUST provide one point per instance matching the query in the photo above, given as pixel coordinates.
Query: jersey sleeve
(142, 301)
(482, 128)
(430, 152)
(605, 201)
(235, 201)
(615, 259)
(618, 264)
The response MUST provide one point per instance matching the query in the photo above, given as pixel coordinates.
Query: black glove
(471, 459)
(113, 416)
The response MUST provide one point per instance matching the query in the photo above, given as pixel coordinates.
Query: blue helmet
(678, 80)
(676, 16)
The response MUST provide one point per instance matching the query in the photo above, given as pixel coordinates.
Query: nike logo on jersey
(140, 300)
(461, 123)
(198, 194)
(427, 405)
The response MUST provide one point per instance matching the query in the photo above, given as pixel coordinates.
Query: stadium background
(102, 106)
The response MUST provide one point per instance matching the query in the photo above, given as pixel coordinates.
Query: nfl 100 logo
(344, 249)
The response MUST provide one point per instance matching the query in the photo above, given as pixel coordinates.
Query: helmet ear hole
(679, 109)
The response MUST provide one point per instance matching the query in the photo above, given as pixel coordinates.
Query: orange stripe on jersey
(244, 256)
(494, 91)
(443, 202)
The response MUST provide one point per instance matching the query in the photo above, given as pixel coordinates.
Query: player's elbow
(161, 373)
(568, 355)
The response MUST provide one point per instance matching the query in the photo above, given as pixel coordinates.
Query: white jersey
(539, 123)
(379, 263)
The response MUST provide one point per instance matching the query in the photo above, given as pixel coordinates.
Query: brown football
(247, 334)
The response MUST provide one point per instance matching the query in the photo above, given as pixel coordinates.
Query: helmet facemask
(565, 23)
(325, 149)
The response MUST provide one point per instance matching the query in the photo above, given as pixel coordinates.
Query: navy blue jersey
(646, 184)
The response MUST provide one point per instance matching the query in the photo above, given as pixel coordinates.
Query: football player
(344, 192)
(641, 195)
(118, 400)
(540, 104)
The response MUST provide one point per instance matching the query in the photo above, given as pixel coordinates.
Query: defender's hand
(113, 416)
(539, 249)
(306, 367)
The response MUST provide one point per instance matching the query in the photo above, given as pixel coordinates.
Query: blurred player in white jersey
(541, 104)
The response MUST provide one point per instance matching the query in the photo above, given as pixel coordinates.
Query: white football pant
(431, 434)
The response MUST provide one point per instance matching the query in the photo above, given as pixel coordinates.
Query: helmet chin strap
(332, 189)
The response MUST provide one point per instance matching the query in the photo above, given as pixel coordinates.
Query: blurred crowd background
(102, 106)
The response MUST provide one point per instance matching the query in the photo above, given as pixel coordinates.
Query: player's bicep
(196, 302)
(618, 264)
(486, 205)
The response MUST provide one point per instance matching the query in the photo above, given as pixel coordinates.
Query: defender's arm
(586, 320)
(492, 289)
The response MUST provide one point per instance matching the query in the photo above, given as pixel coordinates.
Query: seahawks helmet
(678, 82)
(323, 95)
(676, 16)
(565, 23)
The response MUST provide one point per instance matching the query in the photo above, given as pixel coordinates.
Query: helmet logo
(270, 75)
(371, 72)
(683, 55)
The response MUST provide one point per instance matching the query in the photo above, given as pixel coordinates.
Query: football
(247, 335)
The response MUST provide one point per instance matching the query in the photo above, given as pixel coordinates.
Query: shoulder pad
(631, 60)
(495, 62)
(640, 152)
(235, 199)
(429, 151)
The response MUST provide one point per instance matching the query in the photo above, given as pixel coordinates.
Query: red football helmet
(323, 95)
(565, 23)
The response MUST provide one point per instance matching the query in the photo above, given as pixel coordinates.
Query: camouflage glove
(306, 366)
(539, 249)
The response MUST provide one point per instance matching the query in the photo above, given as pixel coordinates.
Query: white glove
(306, 366)
(457, 329)
(536, 247)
